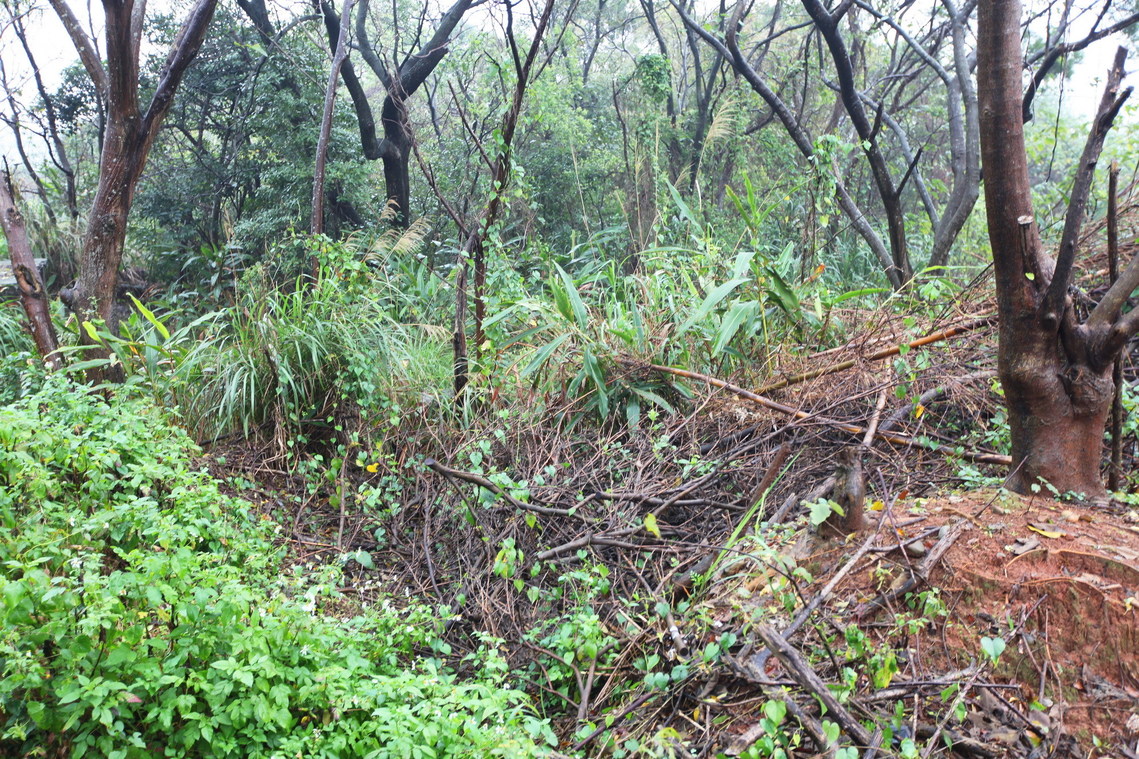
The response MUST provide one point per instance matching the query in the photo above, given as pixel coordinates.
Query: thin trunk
(32, 294)
(316, 224)
(1115, 472)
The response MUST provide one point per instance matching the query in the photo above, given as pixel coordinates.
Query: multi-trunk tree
(400, 79)
(129, 133)
(1055, 370)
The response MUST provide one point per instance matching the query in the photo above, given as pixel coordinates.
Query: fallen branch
(483, 482)
(979, 457)
(802, 673)
(921, 574)
(893, 350)
(932, 395)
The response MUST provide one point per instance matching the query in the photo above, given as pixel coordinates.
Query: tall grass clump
(14, 338)
(286, 355)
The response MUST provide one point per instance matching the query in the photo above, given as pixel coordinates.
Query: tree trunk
(339, 54)
(129, 134)
(32, 293)
(395, 154)
(1057, 409)
(1056, 373)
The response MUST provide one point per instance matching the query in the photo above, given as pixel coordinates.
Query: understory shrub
(144, 614)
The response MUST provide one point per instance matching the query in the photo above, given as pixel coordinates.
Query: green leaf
(859, 294)
(736, 316)
(711, 301)
(543, 354)
(92, 333)
(822, 509)
(597, 375)
(742, 265)
(653, 398)
(685, 210)
(784, 295)
(580, 314)
(993, 647)
(776, 711)
(150, 317)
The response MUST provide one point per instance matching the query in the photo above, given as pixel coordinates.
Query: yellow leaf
(918, 411)
(651, 524)
(373, 468)
(696, 714)
(1046, 533)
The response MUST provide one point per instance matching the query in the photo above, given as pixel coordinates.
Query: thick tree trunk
(129, 134)
(1056, 374)
(124, 150)
(1057, 410)
(395, 154)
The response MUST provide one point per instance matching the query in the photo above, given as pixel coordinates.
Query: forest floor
(663, 591)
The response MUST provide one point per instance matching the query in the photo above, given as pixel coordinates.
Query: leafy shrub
(143, 615)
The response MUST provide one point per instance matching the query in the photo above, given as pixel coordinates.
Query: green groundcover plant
(144, 613)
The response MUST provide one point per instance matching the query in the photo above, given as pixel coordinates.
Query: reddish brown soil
(1073, 598)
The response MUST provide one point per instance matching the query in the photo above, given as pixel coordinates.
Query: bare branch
(83, 45)
(1052, 57)
(185, 47)
(1109, 106)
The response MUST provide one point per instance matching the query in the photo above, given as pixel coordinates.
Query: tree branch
(83, 45)
(1052, 56)
(185, 47)
(1109, 106)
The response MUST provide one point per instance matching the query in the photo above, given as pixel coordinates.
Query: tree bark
(32, 294)
(339, 56)
(1056, 374)
(129, 134)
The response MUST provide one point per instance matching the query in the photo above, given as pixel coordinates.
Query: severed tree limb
(893, 350)
(982, 457)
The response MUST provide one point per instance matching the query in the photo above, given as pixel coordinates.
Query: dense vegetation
(459, 446)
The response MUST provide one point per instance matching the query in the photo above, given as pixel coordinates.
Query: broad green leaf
(580, 314)
(150, 317)
(736, 316)
(742, 265)
(593, 369)
(858, 294)
(784, 295)
(683, 207)
(543, 354)
(653, 398)
(711, 301)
